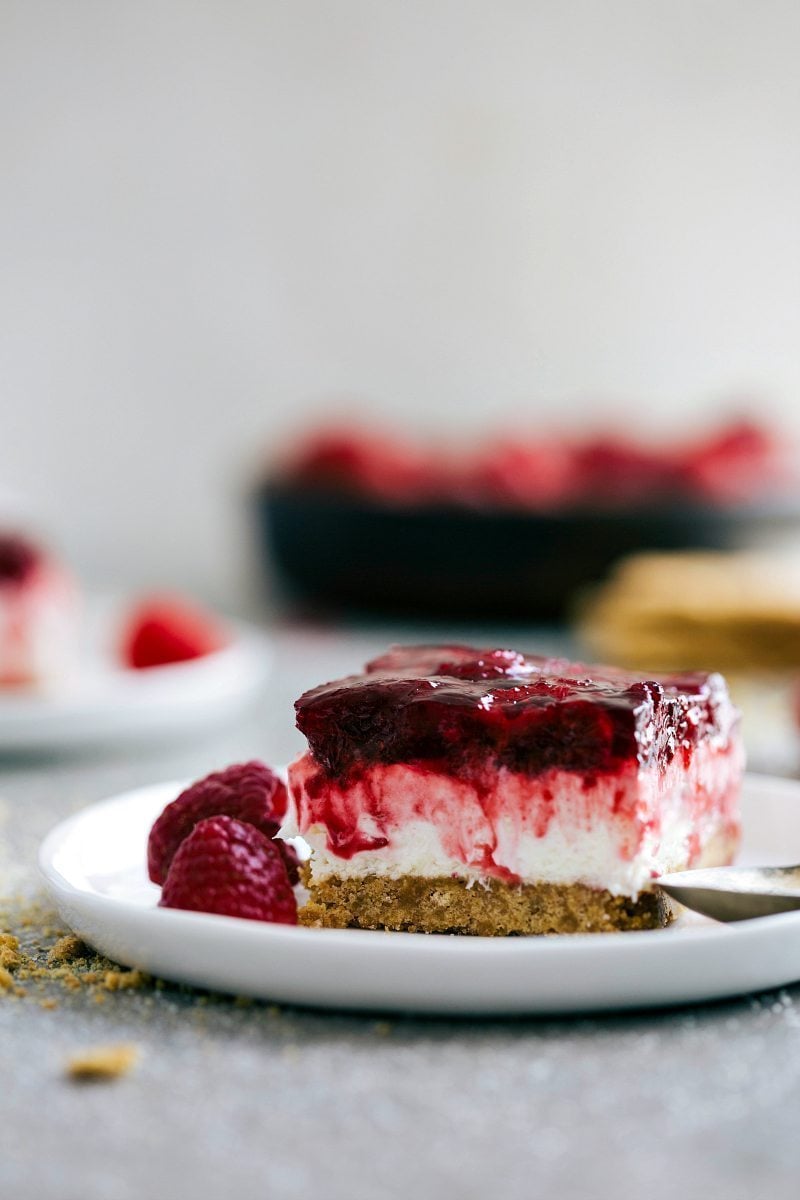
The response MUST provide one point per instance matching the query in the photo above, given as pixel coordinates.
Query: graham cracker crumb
(67, 949)
(102, 1062)
(48, 1003)
(67, 964)
(10, 956)
(119, 981)
(6, 979)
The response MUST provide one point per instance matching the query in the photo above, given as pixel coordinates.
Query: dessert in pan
(458, 790)
(738, 462)
(354, 520)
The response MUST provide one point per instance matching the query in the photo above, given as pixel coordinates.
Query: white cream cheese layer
(617, 834)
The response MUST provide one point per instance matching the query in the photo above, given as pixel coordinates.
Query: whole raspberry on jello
(230, 868)
(248, 791)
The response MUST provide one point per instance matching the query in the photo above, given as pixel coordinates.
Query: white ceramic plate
(94, 865)
(102, 702)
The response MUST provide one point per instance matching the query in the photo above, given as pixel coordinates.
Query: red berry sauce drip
(461, 711)
(18, 560)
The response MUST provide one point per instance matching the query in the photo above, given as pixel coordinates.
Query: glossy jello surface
(461, 710)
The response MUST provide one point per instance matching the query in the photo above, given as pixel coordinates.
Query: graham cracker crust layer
(415, 904)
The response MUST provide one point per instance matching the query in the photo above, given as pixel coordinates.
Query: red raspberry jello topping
(738, 463)
(231, 868)
(536, 475)
(459, 709)
(249, 792)
(730, 466)
(358, 460)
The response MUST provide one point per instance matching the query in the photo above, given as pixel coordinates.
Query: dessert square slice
(449, 789)
(38, 616)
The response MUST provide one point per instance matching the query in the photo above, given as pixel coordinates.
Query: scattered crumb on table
(28, 967)
(9, 951)
(67, 949)
(102, 1062)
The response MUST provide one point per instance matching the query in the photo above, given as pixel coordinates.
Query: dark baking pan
(339, 551)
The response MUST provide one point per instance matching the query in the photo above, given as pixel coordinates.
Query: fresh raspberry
(229, 867)
(167, 629)
(249, 791)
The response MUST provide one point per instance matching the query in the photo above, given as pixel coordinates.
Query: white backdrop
(214, 215)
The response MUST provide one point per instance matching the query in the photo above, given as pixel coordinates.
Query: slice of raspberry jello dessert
(456, 790)
(39, 611)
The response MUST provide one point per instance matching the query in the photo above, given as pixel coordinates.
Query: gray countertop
(248, 1100)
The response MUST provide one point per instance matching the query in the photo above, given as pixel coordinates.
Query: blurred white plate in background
(104, 702)
(94, 865)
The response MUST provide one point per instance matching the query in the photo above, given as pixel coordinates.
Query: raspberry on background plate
(168, 629)
(250, 792)
(230, 868)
